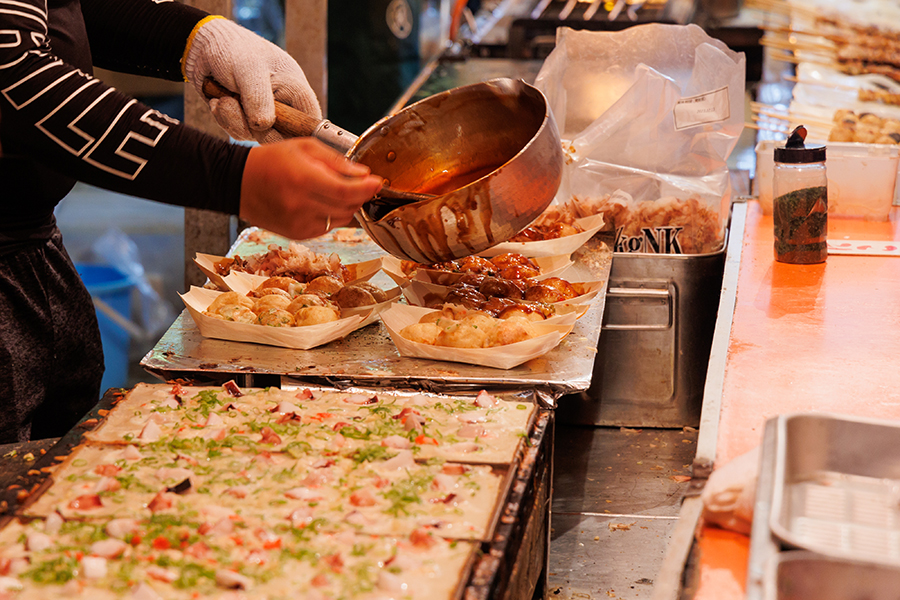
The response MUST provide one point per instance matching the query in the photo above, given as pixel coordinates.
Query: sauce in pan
(444, 183)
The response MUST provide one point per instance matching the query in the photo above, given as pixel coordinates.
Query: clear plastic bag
(648, 115)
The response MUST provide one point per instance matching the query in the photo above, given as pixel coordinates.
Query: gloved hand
(253, 67)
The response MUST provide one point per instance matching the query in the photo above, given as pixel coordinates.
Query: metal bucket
(654, 346)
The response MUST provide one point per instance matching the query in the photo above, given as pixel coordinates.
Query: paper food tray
(357, 272)
(837, 486)
(499, 357)
(299, 338)
(555, 247)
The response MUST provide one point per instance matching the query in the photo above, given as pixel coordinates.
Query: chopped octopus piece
(454, 469)
(121, 528)
(151, 432)
(285, 408)
(36, 541)
(161, 574)
(107, 470)
(396, 441)
(302, 493)
(361, 399)
(161, 501)
(107, 484)
(485, 400)
(402, 460)
(269, 436)
(111, 548)
(93, 567)
(86, 502)
(53, 523)
(232, 388)
(422, 538)
(362, 497)
(214, 420)
(132, 453)
(232, 580)
(471, 431)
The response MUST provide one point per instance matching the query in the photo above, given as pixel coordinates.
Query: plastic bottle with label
(800, 205)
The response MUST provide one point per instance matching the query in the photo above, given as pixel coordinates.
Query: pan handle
(291, 122)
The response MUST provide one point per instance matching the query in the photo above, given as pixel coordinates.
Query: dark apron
(51, 357)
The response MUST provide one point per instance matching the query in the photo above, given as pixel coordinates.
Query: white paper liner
(358, 272)
(300, 338)
(399, 316)
(550, 266)
(418, 293)
(555, 247)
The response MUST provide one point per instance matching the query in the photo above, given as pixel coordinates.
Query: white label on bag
(710, 107)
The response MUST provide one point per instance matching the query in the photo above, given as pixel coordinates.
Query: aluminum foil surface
(368, 357)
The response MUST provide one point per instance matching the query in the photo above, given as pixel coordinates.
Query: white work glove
(256, 69)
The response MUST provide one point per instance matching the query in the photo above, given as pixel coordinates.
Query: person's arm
(70, 121)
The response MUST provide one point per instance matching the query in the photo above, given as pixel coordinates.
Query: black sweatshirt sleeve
(60, 116)
(139, 36)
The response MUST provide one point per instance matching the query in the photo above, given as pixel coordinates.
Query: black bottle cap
(795, 150)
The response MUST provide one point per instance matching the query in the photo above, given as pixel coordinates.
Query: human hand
(300, 188)
(255, 69)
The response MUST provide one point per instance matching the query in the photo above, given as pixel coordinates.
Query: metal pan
(489, 152)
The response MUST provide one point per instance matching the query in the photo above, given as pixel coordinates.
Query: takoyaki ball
(510, 331)
(496, 305)
(476, 264)
(842, 114)
(270, 301)
(889, 126)
(887, 139)
(558, 230)
(502, 261)
(466, 296)
(236, 313)
(450, 265)
(471, 279)
(552, 289)
(229, 299)
(471, 332)
(529, 312)
(842, 134)
(276, 317)
(288, 284)
(377, 293)
(324, 283)
(867, 134)
(422, 333)
(519, 272)
(504, 288)
(306, 300)
(408, 267)
(447, 312)
(352, 296)
(315, 315)
(870, 119)
(271, 291)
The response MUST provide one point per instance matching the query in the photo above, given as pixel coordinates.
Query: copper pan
(490, 154)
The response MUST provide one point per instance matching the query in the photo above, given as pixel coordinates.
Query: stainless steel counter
(368, 357)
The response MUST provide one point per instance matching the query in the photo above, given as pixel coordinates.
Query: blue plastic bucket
(114, 288)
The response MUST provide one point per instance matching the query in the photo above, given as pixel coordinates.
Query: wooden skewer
(781, 7)
(789, 45)
(761, 128)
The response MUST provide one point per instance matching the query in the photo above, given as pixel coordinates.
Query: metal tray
(804, 575)
(837, 486)
(368, 357)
